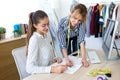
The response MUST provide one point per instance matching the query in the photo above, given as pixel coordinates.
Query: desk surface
(81, 74)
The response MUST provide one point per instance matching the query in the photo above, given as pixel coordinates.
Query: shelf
(12, 39)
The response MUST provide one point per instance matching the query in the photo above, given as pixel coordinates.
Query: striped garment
(79, 31)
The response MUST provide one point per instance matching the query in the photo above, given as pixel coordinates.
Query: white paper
(76, 64)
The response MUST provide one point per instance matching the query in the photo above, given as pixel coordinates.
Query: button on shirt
(79, 31)
(40, 54)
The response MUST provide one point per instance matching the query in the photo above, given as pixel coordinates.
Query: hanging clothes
(96, 24)
(105, 14)
(101, 16)
(114, 16)
(111, 9)
(97, 19)
(89, 16)
(101, 19)
(118, 18)
(93, 19)
(105, 17)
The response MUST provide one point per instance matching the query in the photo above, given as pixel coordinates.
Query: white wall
(16, 11)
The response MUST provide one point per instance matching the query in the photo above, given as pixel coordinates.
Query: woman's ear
(34, 25)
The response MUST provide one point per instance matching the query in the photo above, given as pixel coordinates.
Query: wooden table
(81, 74)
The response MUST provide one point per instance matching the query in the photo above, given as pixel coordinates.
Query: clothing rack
(105, 2)
(94, 3)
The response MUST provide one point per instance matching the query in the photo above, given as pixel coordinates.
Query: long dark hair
(34, 18)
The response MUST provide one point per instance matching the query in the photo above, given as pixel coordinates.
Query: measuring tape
(68, 36)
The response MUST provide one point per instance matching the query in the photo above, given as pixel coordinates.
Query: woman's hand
(58, 60)
(85, 63)
(69, 63)
(58, 69)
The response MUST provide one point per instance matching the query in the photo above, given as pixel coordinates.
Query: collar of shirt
(39, 35)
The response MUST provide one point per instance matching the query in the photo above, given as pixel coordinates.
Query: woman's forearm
(64, 51)
(83, 51)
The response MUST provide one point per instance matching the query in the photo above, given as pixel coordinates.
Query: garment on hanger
(93, 19)
(96, 24)
(101, 19)
(114, 16)
(118, 18)
(89, 16)
(111, 9)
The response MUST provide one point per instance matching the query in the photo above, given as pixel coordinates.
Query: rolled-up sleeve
(62, 35)
(81, 37)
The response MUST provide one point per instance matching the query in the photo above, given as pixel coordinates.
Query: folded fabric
(94, 72)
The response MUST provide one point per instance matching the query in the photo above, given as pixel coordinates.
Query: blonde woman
(71, 28)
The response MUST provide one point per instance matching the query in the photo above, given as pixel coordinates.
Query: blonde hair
(81, 9)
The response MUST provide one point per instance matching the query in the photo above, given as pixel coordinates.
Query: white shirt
(40, 54)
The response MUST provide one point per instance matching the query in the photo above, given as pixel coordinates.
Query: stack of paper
(76, 64)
